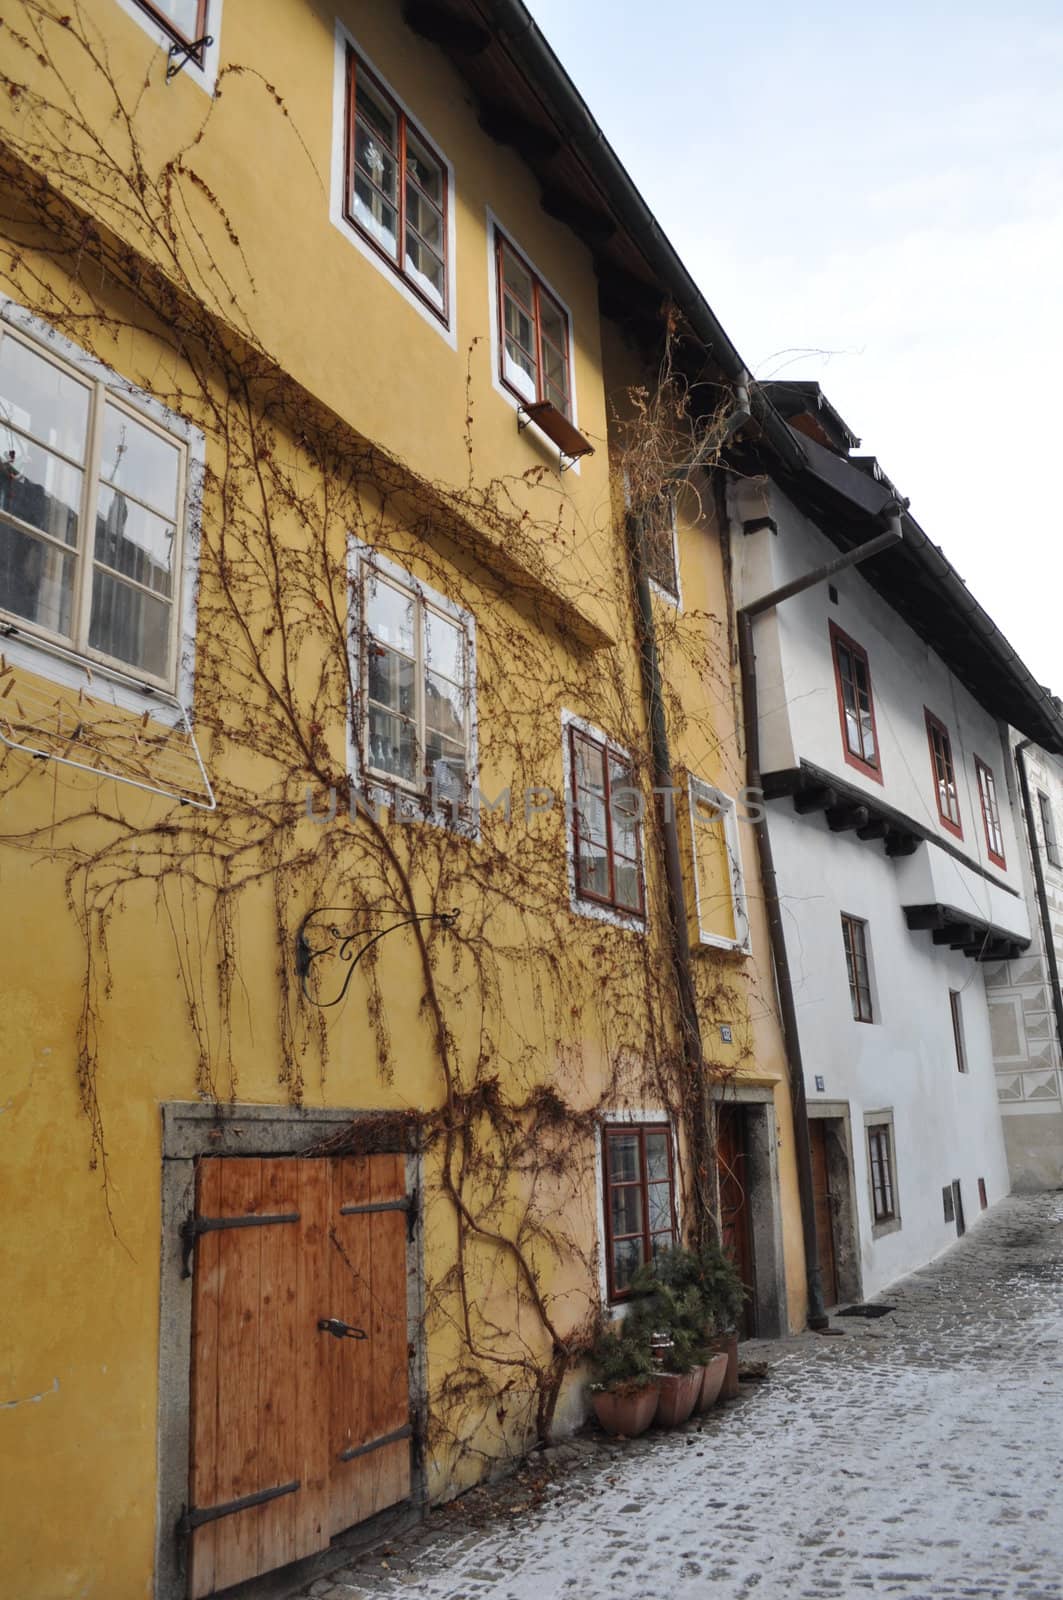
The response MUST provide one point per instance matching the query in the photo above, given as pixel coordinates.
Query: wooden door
(823, 1205)
(735, 1231)
(287, 1417)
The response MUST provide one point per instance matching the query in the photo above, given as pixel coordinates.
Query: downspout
(661, 764)
(747, 660)
(1041, 890)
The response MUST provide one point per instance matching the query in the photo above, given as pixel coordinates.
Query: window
(1048, 828)
(659, 544)
(987, 793)
(944, 775)
(534, 335)
(880, 1157)
(92, 501)
(719, 888)
(184, 20)
(956, 1007)
(416, 685)
(856, 706)
(854, 934)
(640, 1209)
(606, 825)
(396, 187)
(983, 1198)
(947, 1205)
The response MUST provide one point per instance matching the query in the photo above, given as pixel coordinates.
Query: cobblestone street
(917, 1456)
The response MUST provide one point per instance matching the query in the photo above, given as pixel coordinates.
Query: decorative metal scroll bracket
(341, 945)
(181, 54)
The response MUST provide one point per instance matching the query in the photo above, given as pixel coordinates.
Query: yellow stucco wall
(80, 1324)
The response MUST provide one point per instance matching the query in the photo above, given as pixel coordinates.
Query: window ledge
(880, 1229)
(557, 428)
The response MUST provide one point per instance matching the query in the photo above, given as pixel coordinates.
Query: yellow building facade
(340, 968)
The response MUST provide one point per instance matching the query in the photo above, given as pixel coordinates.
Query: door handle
(340, 1330)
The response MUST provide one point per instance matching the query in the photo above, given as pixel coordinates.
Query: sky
(873, 198)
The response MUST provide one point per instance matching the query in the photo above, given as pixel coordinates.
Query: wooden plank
(278, 1400)
(203, 1475)
(351, 1360)
(312, 1360)
(823, 1211)
(390, 1407)
(239, 1344)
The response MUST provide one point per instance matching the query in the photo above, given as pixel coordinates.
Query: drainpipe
(661, 763)
(817, 1315)
(1041, 891)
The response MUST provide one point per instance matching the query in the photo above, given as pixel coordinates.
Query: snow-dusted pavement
(919, 1456)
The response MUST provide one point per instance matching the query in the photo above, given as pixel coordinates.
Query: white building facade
(893, 822)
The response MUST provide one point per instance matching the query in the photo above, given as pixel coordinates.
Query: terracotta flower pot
(626, 1412)
(679, 1396)
(728, 1344)
(713, 1381)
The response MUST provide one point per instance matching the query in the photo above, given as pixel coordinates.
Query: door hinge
(193, 1517)
(409, 1203)
(193, 1226)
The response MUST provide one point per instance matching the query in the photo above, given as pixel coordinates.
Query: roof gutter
(513, 24)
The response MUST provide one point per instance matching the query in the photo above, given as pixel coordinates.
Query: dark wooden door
(735, 1230)
(823, 1202)
(295, 1433)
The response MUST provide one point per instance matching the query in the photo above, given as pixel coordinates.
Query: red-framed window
(956, 1007)
(854, 936)
(533, 333)
(987, 793)
(944, 771)
(856, 704)
(640, 1206)
(186, 21)
(606, 825)
(396, 188)
(880, 1155)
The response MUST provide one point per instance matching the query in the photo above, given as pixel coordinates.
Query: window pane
(444, 647)
(591, 820)
(516, 278)
(657, 1157)
(377, 217)
(592, 870)
(138, 461)
(134, 542)
(626, 1208)
(36, 580)
(423, 216)
(444, 707)
(391, 680)
(424, 268)
(39, 488)
(623, 1157)
(660, 1203)
(184, 14)
(377, 118)
(445, 761)
(389, 613)
(590, 765)
(392, 745)
(554, 325)
(38, 398)
(627, 1259)
(426, 171)
(627, 886)
(130, 625)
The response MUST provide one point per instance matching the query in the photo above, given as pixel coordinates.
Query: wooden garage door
(297, 1431)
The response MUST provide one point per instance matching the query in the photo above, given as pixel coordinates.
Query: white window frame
(496, 226)
(700, 792)
(876, 1119)
(627, 1117)
(408, 798)
(577, 904)
(344, 40)
(205, 75)
(53, 655)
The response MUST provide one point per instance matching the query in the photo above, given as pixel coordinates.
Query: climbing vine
(533, 1020)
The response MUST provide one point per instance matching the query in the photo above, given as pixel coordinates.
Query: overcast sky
(873, 199)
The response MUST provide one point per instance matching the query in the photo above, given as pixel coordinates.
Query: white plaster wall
(946, 1123)
(798, 698)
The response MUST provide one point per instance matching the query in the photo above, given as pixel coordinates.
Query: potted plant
(667, 1310)
(722, 1296)
(627, 1386)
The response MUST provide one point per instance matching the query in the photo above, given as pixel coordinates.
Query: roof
(526, 99)
(796, 400)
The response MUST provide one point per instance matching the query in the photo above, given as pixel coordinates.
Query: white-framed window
(604, 812)
(93, 510)
(178, 25)
(882, 1172)
(416, 714)
(660, 544)
(391, 192)
(719, 883)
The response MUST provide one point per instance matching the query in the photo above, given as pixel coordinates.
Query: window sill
(880, 1229)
